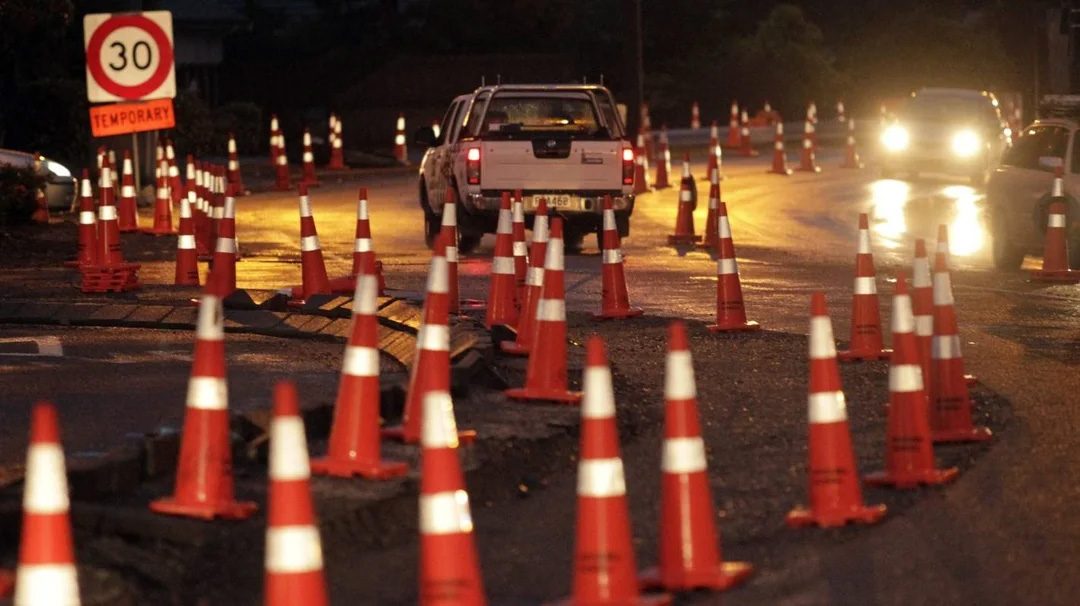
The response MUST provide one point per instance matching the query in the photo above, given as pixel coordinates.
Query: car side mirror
(1050, 163)
(425, 137)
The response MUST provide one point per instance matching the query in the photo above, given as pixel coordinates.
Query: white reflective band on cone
(903, 321)
(905, 378)
(127, 191)
(727, 267)
(309, 243)
(551, 310)
(827, 407)
(365, 296)
(864, 242)
(308, 157)
(553, 260)
(45, 488)
(337, 143)
(362, 245)
(46, 584)
(778, 146)
(601, 478)
(945, 347)
(438, 281)
(445, 513)
(865, 285)
(207, 393)
(361, 210)
(234, 165)
(599, 399)
(399, 139)
(307, 138)
(282, 160)
(924, 326)
(822, 345)
(920, 273)
(174, 172)
(807, 144)
(942, 289)
(683, 455)
(684, 195)
(231, 146)
(520, 249)
(502, 265)
(225, 245)
(360, 361)
(724, 227)
(293, 549)
(1055, 221)
(218, 212)
(305, 206)
(107, 213)
(609, 220)
(679, 376)
(612, 256)
(86, 217)
(438, 428)
(451, 254)
(534, 276)
(288, 449)
(433, 337)
(185, 242)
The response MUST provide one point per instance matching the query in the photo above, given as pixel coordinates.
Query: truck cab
(563, 143)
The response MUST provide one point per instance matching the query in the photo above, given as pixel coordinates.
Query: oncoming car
(945, 130)
(60, 186)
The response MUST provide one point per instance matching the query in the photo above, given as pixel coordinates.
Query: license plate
(559, 201)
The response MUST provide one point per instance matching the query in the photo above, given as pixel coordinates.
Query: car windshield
(514, 116)
(947, 109)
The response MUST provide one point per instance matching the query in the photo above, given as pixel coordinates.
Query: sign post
(130, 59)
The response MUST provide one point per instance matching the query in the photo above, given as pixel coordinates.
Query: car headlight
(966, 143)
(895, 138)
(57, 169)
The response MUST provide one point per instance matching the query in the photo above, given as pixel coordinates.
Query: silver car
(1018, 193)
(60, 186)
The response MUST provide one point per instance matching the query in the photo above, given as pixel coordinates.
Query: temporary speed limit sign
(129, 56)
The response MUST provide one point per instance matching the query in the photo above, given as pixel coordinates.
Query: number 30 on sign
(129, 56)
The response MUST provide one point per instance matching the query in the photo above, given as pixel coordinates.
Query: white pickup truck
(564, 143)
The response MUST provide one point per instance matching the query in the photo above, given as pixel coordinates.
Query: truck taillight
(472, 166)
(628, 166)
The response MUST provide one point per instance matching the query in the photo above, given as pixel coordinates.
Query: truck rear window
(514, 117)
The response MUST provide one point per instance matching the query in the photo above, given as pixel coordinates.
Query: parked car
(60, 186)
(564, 143)
(1018, 193)
(945, 130)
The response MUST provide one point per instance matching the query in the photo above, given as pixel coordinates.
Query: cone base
(618, 314)
(397, 434)
(683, 239)
(656, 599)
(786, 172)
(725, 575)
(971, 379)
(513, 348)
(1063, 275)
(345, 468)
(912, 479)
(976, 433)
(863, 355)
(149, 231)
(748, 326)
(864, 514)
(560, 396)
(231, 510)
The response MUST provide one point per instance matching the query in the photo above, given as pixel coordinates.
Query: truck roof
(541, 87)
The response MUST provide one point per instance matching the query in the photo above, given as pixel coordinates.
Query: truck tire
(432, 225)
(467, 244)
(1007, 255)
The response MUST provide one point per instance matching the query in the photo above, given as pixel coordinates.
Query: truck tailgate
(551, 165)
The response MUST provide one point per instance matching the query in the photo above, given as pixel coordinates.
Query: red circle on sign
(156, 79)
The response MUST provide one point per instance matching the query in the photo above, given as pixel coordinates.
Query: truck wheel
(573, 241)
(467, 244)
(1007, 255)
(432, 225)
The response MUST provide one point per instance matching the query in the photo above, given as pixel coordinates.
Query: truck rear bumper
(580, 203)
(481, 212)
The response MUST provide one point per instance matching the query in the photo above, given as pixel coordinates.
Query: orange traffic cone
(942, 244)
(88, 248)
(811, 117)
(431, 364)
(730, 309)
(294, 560)
(922, 304)
(109, 251)
(187, 264)
(217, 201)
(201, 213)
(615, 301)
(684, 218)
(46, 572)
(779, 162)
(281, 166)
(695, 116)
(840, 112)
(604, 569)
(715, 156)
(746, 147)
(689, 551)
(204, 481)
(950, 402)
(176, 190)
(712, 239)
(866, 341)
(714, 137)
(308, 157)
(909, 452)
(449, 563)
(534, 282)
(835, 496)
(448, 232)
(127, 209)
(274, 131)
(521, 248)
(851, 155)
(311, 257)
(1055, 266)
(663, 163)
(401, 152)
(734, 133)
(337, 152)
(545, 375)
(163, 223)
(362, 245)
(641, 167)
(41, 208)
(224, 262)
(235, 178)
(354, 435)
(501, 291)
(807, 158)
